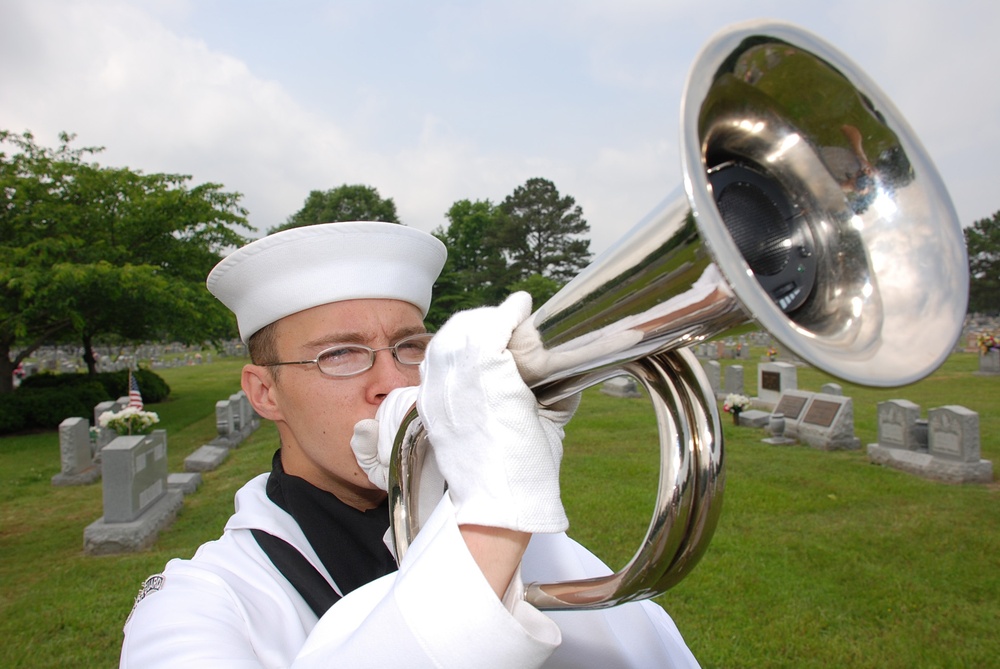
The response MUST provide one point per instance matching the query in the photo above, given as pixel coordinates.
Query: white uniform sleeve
(436, 611)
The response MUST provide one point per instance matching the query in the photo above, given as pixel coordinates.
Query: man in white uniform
(302, 576)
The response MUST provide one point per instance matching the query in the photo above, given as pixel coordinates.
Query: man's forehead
(350, 321)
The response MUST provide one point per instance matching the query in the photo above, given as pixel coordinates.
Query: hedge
(45, 400)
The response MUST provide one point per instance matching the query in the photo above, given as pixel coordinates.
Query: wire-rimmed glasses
(342, 360)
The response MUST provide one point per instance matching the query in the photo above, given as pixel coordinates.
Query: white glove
(373, 437)
(498, 451)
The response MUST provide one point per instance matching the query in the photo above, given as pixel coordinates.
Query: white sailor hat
(304, 267)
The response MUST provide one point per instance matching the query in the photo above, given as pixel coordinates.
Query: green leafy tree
(542, 231)
(982, 240)
(343, 203)
(541, 288)
(91, 253)
(475, 272)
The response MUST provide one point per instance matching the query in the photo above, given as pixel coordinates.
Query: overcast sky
(432, 102)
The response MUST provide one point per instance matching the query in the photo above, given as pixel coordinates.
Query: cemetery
(140, 496)
(812, 499)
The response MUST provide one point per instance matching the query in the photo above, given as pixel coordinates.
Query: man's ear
(259, 385)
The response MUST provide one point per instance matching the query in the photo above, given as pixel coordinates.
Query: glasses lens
(344, 360)
(411, 351)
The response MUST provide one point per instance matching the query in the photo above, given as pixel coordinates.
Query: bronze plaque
(822, 413)
(770, 381)
(790, 406)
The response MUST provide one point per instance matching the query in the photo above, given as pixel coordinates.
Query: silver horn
(807, 206)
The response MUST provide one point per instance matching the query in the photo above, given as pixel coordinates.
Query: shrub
(46, 407)
(13, 417)
(45, 400)
(153, 388)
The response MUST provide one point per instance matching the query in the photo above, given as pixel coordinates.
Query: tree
(540, 232)
(90, 252)
(475, 272)
(982, 240)
(343, 203)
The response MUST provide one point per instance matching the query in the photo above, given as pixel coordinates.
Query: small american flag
(134, 396)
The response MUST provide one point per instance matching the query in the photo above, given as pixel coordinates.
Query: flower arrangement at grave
(129, 420)
(772, 353)
(736, 404)
(987, 342)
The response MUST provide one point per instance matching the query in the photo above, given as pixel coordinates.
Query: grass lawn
(820, 558)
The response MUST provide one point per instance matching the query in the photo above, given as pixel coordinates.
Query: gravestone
(989, 362)
(184, 482)
(734, 379)
(206, 458)
(953, 432)
(713, 370)
(225, 425)
(827, 423)
(243, 419)
(950, 453)
(831, 389)
(105, 435)
(754, 418)
(773, 379)
(75, 454)
(137, 501)
(225, 421)
(897, 425)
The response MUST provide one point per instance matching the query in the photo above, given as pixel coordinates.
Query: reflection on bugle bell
(808, 206)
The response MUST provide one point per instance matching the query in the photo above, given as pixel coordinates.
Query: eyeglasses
(351, 359)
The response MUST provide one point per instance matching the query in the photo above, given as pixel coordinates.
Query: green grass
(820, 558)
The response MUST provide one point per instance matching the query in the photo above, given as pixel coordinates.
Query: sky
(434, 102)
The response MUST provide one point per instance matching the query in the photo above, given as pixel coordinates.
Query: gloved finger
(364, 443)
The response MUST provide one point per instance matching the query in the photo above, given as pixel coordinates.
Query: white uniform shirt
(230, 607)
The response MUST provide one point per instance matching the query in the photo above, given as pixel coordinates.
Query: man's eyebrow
(363, 338)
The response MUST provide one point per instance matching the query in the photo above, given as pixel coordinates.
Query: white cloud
(431, 104)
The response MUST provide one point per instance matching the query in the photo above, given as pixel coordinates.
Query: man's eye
(341, 354)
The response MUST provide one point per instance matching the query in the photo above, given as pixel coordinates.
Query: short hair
(263, 347)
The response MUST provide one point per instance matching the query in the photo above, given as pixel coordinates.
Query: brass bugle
(809, 207)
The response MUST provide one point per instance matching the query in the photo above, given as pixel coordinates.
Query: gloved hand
(499, 452)
(373, 437)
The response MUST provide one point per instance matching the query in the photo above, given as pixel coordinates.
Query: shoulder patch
(150, 585)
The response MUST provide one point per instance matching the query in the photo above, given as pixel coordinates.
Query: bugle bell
(807, 206)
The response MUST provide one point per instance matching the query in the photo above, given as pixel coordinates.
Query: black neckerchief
(347, 541)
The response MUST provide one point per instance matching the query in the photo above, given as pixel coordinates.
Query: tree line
(94, 255)
(91, 254)
(533, 240)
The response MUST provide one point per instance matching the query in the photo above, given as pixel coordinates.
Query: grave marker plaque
(770, 381)
(821, 412)
(734, 379)
(828, 423)
(791, 406)
(774, 379)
